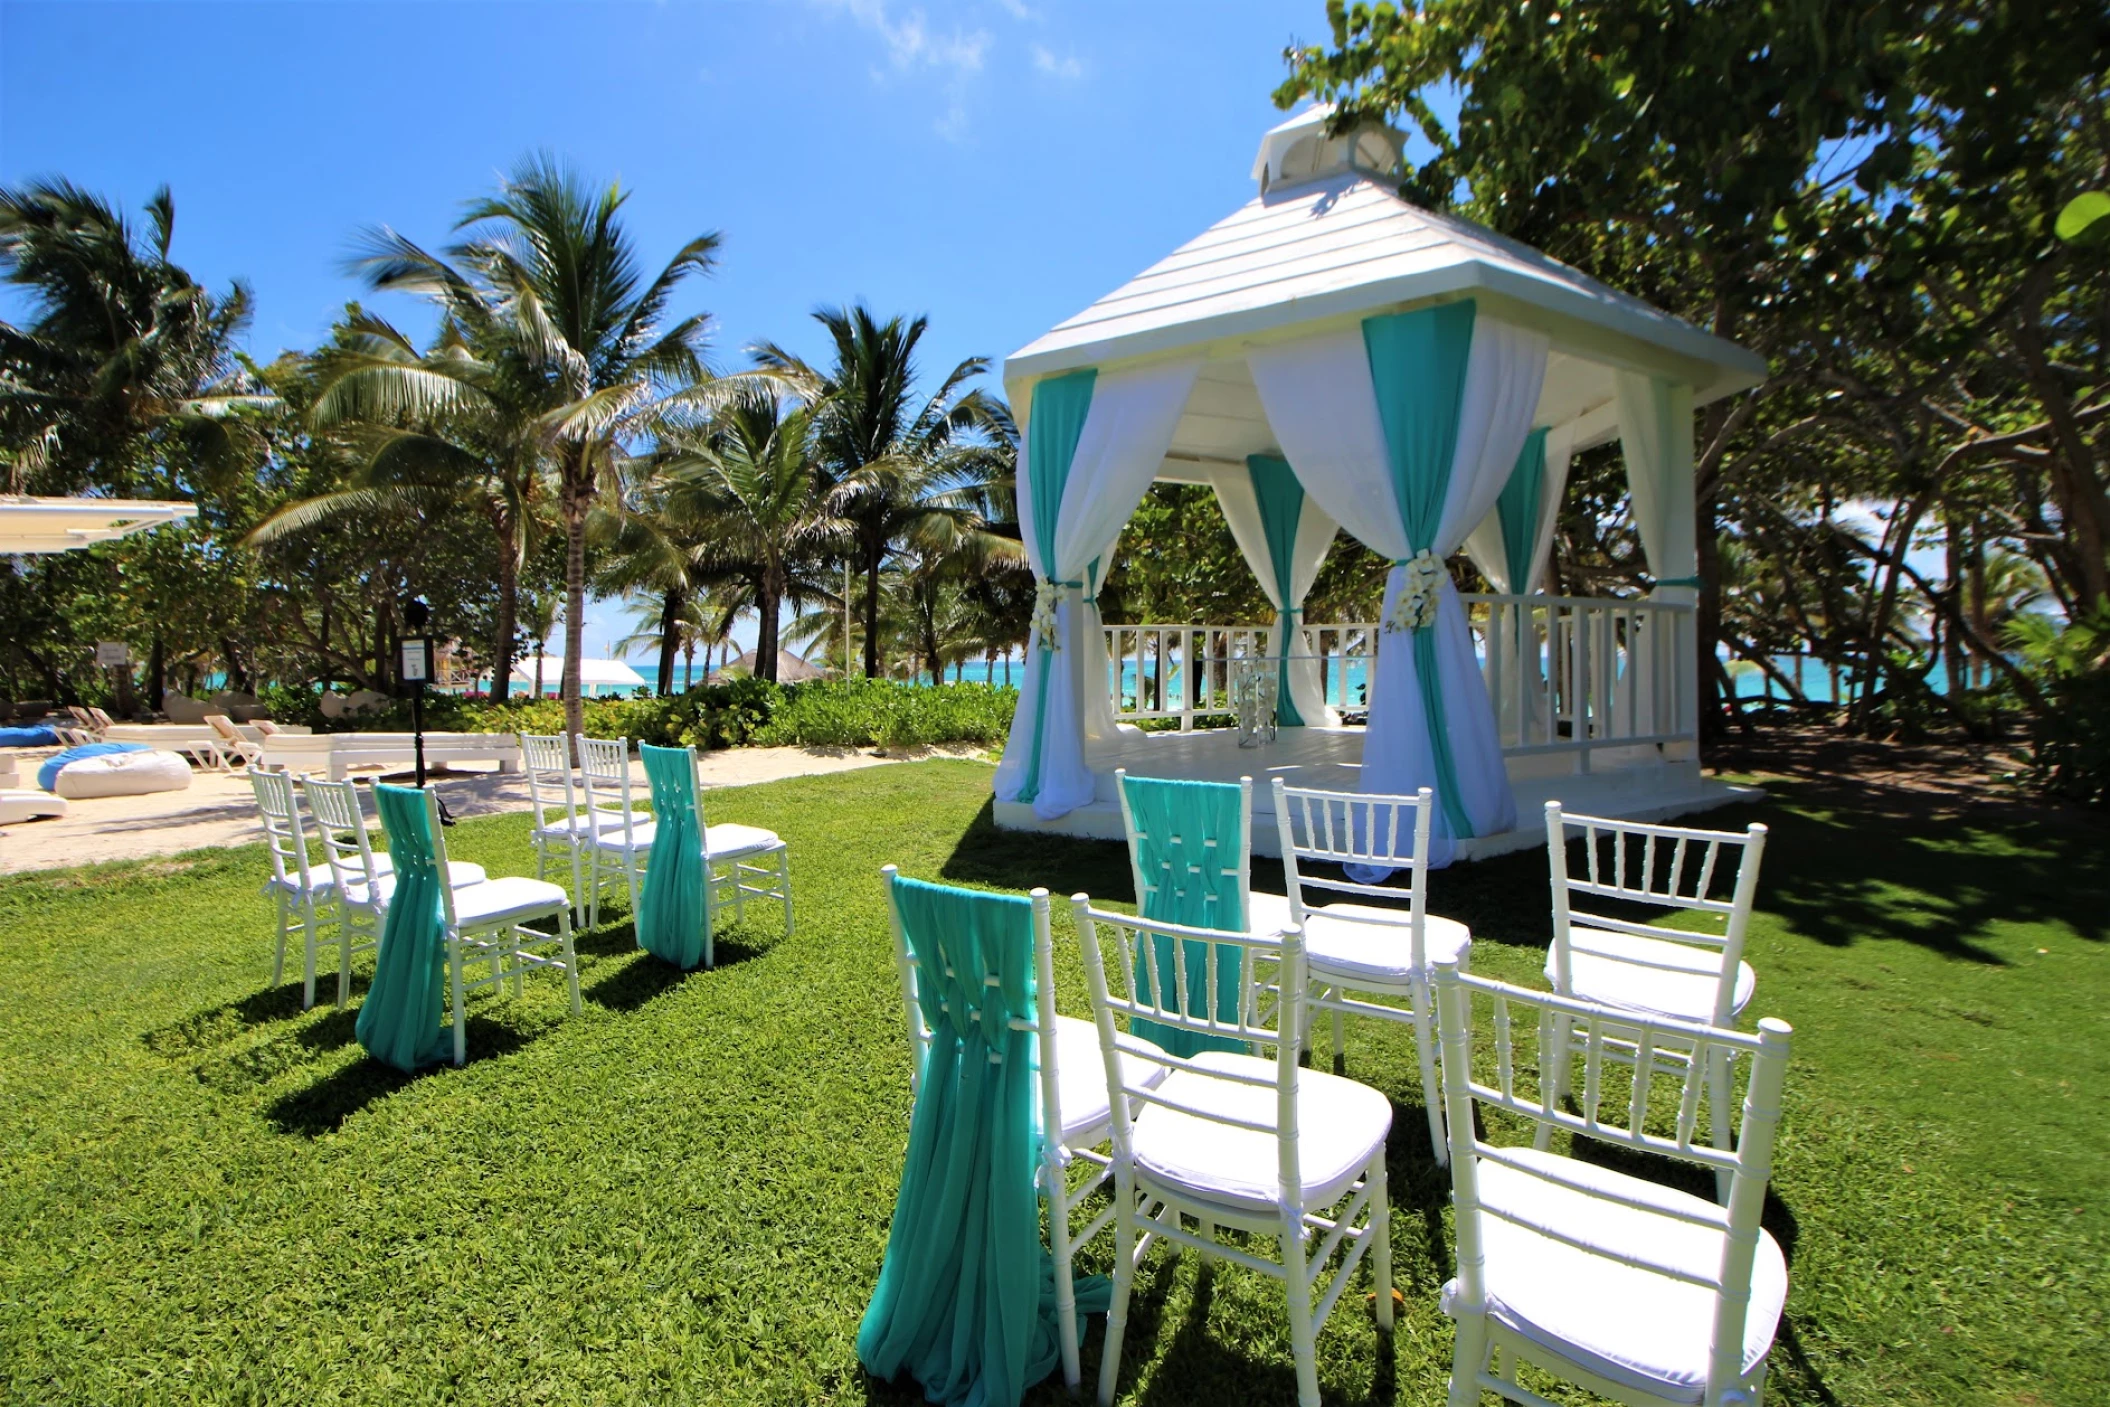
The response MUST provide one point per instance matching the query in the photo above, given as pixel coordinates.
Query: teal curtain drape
(1417, 369)
(1521, 509)
(399, 1023)
(673, 910)
(1060, 405)
(1281, 500)
(1188, 841)
(966, 1297)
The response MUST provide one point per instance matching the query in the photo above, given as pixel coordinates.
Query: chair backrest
(1346, 828)
(604, 768)
(1666, 867)
(1126, 990)
(86, 719)
(1189, 849)
(285, 834)
(341, 824)
(1531, 1031)
(102, 719)
(546, 758)
(910, 969)
(415, 838)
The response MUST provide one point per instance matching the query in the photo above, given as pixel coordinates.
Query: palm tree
(551, 255)
(757, 483)
(896, 468)
(458, 423)
(127, 379)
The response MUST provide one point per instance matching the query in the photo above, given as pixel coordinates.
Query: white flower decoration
(1044, 598)
(1416, 607)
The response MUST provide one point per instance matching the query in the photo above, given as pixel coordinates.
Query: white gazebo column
(1655, 437)
(1091, 444)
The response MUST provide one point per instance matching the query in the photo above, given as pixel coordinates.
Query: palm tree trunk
(768, 595)
(574, 606)
(669, 637)
(509, 587)
(508, 619)
(872, 562)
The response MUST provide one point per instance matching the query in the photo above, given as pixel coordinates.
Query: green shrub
(2071, 756)
(741, 713)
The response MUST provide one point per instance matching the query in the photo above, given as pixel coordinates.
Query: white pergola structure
(1332, 356)
(29, 526)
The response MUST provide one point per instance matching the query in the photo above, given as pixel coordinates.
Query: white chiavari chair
(1233, 1140)
(1628, 1288)
(1688, 974)
(297, 888)
(363, 877)
(620, 835)
(1073, 1107)
(564, 822)
(1365, 948)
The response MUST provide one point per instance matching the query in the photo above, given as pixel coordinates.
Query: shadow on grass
(323, 1107)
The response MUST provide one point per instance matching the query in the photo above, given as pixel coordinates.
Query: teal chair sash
(1187, 841)
(673, 911)
(966, 1297)
(399, 1023)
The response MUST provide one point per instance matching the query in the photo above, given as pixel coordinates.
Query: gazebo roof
(31, 525)
(1328, 240)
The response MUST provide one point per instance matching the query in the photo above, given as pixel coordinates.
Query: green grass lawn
(682, 1195)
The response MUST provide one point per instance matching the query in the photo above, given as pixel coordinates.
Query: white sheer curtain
(1655, 437)
(1517, 635)
(1126, 433)
(1315, 533)
(1099, 721)
(1323, 409)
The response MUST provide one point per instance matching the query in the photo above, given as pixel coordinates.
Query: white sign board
(110, 654)
(417, 661)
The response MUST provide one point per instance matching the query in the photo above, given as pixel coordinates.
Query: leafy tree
(555, 256)
(898, 469)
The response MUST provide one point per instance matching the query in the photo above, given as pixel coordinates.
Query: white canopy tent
(30, 526)
(1329, 353)
(593, 674)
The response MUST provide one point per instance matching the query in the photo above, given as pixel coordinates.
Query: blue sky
(996, 164)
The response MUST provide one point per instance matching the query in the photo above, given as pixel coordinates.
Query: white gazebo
(37, 525)
(1329, 356)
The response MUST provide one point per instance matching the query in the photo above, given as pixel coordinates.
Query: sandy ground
(218, 809)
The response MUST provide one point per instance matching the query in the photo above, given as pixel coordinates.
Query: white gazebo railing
(1566, 674)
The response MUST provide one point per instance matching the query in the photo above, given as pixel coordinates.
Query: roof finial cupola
(1299, 150)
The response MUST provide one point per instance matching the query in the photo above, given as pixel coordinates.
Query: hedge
(746, 712)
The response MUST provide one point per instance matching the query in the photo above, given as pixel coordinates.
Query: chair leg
(784, 886)
(1381, 1240)
(1467, 1354)
(571, 960)
(307, 981)
(1431, 1089)
(1297, 1280)
(578, 882)
(278, 961)
(344, 955)
(1340, 1041)
(593, 889)
(1051, 1174)
(461, 1017)
(630, 859)
(1124, 1281)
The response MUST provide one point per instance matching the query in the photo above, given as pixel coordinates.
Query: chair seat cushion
(1362, 941)
(460, 874)
(611, 839)
(511, 897)
(1341, 1125)
(1656, 975)
(1080, 1079)
(1634, 1326)
(580, 824)
(728, 841)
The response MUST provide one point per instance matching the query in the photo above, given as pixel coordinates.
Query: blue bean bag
(48, 774)
(38, 736)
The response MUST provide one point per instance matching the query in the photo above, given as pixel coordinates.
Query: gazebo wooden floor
(1629, 784)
